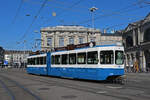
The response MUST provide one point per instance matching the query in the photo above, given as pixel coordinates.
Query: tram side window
(92, 57)
(34, 62)
(52, 59)
(44, 60)
(64, 59)
(57, 59)
(72, 58)
(38, 61)
(107, 57)
(81, 58)
(29, 61)
(41, 60)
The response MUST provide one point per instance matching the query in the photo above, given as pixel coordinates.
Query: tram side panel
(105, 73)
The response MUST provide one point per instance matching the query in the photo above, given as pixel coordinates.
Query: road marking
(101, 92)
(112, 87)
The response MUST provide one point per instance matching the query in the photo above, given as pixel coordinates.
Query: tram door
(48, 63)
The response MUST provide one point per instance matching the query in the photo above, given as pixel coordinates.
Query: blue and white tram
(92, 63)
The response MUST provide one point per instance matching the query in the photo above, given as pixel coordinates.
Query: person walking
(136, 66)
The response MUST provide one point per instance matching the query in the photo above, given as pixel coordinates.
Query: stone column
(141, 61)
(142, 35)
(76, 39)
(66, 40)
(134, 37)
(130, 62)
(56, 39)
(126, 63)
(144, 62)
(139, 36)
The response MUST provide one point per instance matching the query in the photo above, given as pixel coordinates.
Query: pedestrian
(136, 66)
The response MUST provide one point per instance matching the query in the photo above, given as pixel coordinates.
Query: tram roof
(79, 47)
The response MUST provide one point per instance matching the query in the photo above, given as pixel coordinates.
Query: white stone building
(59, 36)
(16, 58)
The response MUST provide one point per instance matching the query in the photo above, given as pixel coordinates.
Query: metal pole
(24, 56)
(93, 9)
(93, 19)
(54, 39)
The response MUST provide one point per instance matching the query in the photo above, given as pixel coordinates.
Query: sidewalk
(138, 77)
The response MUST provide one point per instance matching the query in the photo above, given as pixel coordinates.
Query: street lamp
(92, 10)
(24, 54)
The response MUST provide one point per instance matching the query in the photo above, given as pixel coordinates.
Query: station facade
(136, 39)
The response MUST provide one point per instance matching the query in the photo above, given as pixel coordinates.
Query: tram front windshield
(119, 57)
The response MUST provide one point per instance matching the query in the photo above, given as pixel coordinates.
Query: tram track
(10, 93)
(89, 89)
(94, 90)
(128, 85)
(17, 91)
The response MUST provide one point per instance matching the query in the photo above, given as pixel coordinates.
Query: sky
(21, 20)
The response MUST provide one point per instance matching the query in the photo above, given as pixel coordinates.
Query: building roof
(111, 34)
(72, 28)
(138, 23)
(16, 51)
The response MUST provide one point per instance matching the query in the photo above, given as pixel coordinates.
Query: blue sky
(19, 19)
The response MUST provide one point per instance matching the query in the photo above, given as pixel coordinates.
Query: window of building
(147, 35)
(71, 40)
(72, 58)
(57, 59)
(107, 57)
(61, 41)
(64, 59)
(119, 57)
(49, 41)
(81, 58)
(129, 41)
(49, 32)
(92, 57)
(80, 40)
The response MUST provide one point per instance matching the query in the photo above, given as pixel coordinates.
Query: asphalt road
(16, 84)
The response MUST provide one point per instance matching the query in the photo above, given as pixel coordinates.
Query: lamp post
(92, 10)
(24, 55)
